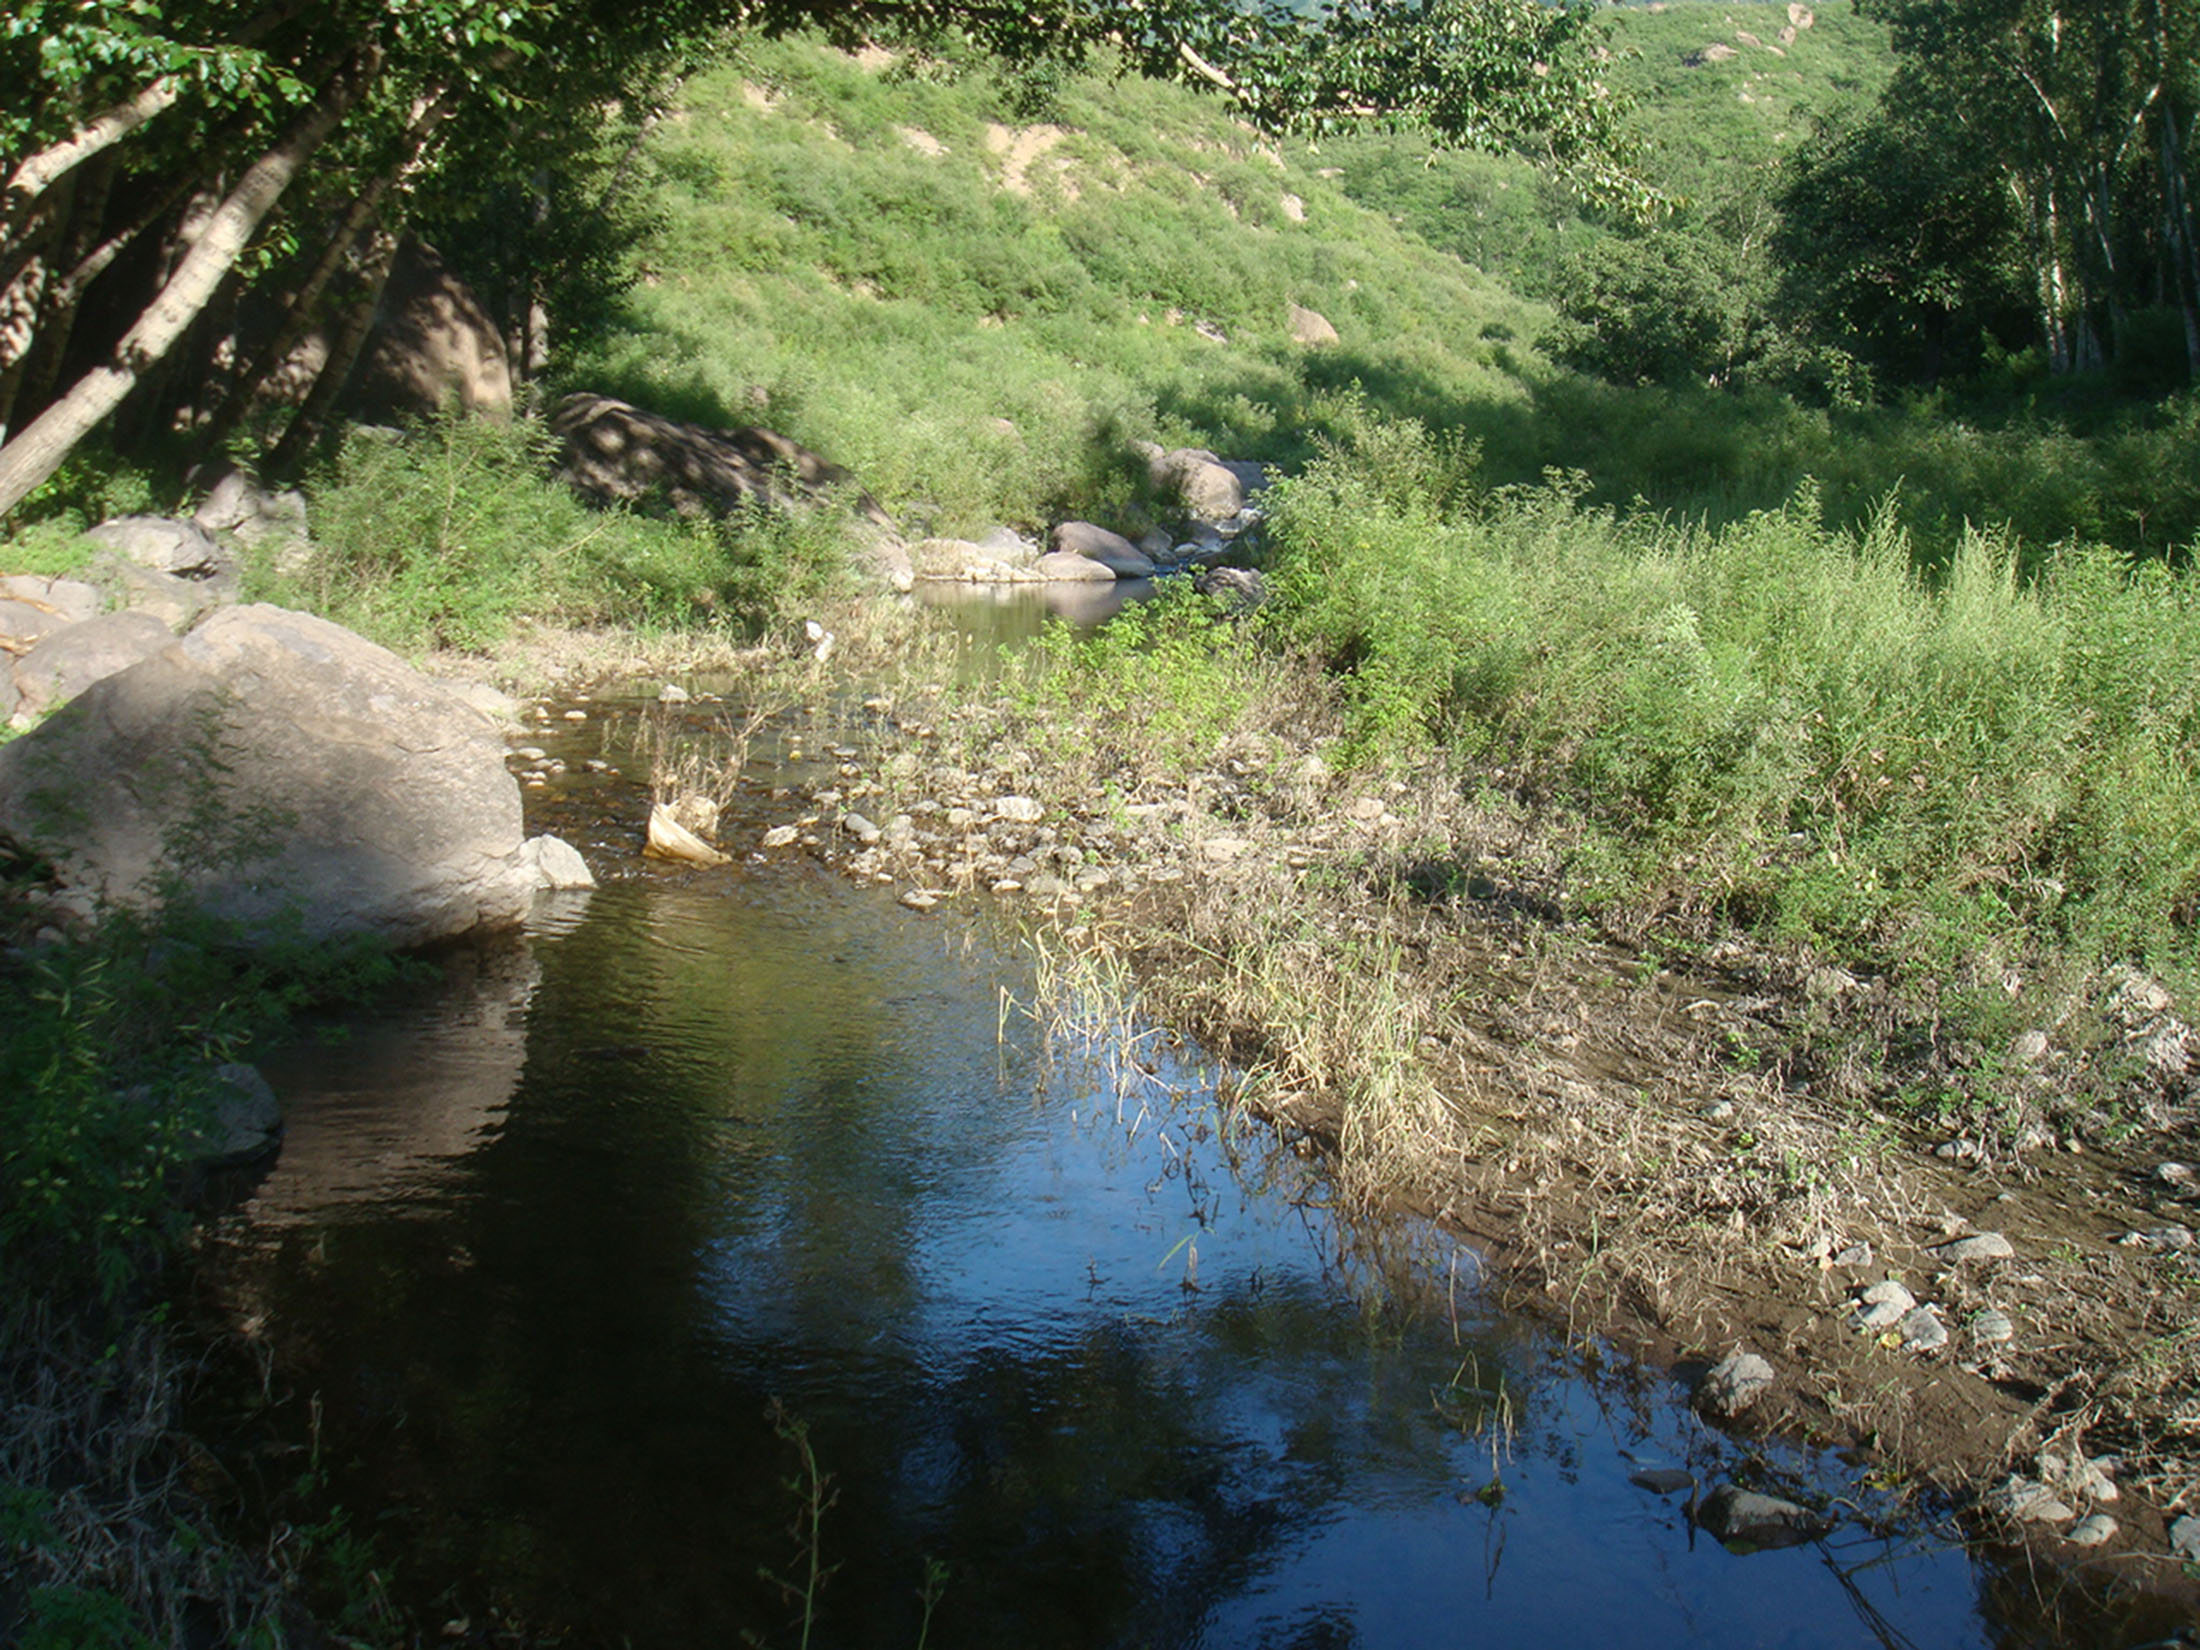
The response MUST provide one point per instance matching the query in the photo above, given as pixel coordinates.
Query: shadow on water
(539, 1254)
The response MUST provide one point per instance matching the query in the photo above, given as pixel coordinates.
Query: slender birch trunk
(343, 355)
(363, 214)
(34, 454)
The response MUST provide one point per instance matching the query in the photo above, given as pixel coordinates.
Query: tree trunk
(63, 296)
(297, 316)
(32, 456)
(2180, 235)
(344, 352)
(22, 301)
(30, 181)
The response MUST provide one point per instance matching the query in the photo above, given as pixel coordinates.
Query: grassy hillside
(974, 310)
(975, 292)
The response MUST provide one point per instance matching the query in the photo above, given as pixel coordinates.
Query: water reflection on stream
(542, 1251)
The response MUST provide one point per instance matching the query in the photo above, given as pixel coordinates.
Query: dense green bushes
(1774, 717)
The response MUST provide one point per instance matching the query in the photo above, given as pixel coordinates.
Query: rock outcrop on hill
(614, 452)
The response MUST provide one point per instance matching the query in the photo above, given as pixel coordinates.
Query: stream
(743, 1258)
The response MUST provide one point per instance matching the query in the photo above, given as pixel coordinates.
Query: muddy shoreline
(1648, 1139)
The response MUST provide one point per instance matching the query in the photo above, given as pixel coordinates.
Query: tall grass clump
(1166, 689)
(452, 533)
(1774, 719)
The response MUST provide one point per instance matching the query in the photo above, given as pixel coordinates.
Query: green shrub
(1786, 718)
(1156, 694)
(450, 534)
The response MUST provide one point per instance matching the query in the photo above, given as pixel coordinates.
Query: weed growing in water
(108, 1056)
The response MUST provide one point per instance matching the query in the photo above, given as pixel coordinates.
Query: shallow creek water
(545, 1246)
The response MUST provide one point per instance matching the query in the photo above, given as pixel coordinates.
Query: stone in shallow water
(1662, 1480)
(1751, 1519)
(245, 1120)
(1735, 1382)
(920, 899)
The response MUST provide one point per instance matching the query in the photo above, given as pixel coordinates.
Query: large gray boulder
(176, 600)
(1068, 567)
(70, 660)
(962, 561)
(237, 509)
(1206, 487)
(434, 344)
(68, 600)
(273, 763)
(182, 549)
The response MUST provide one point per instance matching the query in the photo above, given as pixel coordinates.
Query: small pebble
(919, 899)
(1875, 1316)
(2184, 1539)
(2174, 1174)
(1959, 1151)
(780, 835)
(2027, 1500)
(1718, 1111)
(1856, 1254)
(1978, 1246)
(1992, 1328)
(2091, 1530)
(576, 716)
(1922, 1331)
(672, 694)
